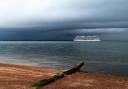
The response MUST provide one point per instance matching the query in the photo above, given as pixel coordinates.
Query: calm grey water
(106, 56)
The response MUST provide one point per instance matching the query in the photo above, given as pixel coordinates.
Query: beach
(63, 44)
(22, 77)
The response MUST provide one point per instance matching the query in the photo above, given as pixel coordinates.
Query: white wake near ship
(87, 38)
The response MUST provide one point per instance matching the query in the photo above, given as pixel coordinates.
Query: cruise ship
(86, 38)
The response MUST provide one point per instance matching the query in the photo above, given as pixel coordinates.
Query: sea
(109, 57)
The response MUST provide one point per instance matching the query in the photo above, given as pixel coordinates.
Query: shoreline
(22, 77)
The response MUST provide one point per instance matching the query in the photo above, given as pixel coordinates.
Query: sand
(22, 77)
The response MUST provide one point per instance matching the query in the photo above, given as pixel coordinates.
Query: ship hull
(87, 40)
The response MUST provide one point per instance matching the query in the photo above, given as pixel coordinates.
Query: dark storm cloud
(71, 15)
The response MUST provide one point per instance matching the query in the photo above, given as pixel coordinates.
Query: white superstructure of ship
(86, 38)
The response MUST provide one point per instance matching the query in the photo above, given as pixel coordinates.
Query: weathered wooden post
(58, 76)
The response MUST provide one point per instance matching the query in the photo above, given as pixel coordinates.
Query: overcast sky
(71, 15)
